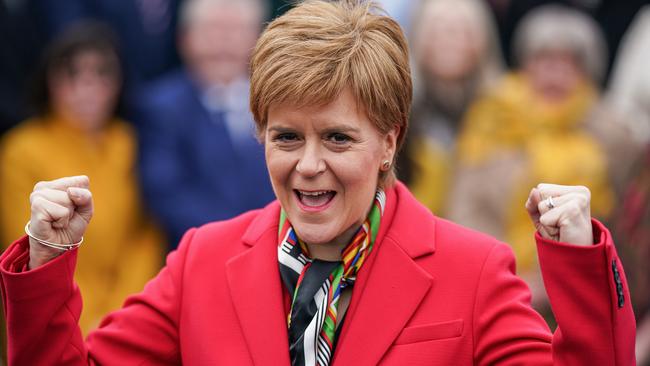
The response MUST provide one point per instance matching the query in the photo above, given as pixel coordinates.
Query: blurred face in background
(217, 39)
(449, 42)
(85, 91)
(553, 74)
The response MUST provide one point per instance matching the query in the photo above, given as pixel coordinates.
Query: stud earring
(385, 165)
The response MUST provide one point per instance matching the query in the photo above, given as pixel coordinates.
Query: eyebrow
(329, 129)
(341, 128)
(280, 129)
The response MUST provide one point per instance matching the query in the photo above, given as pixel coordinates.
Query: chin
(314, 233)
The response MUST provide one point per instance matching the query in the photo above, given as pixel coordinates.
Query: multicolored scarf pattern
(316, 286)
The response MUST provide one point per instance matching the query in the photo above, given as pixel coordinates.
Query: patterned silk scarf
(316, 286)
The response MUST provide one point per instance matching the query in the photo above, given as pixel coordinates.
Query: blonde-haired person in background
(76, 131)
(532, 127)
(346, 267)
(456, 57)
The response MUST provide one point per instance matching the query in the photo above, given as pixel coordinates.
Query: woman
(76, 130)
(346, 267)
(533, 127)
(456, 57)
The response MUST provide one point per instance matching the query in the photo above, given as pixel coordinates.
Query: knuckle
(38, 216)
(40, 185)
(545, 220)
(574, 208)
(584, 190)
(66, 212)
(541, 207)
(37, 201)
(33, 196)
(583, 201)
(565, 221)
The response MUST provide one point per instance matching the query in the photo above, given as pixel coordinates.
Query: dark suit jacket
(192, 172)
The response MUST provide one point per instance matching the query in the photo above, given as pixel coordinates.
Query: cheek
(279, 164)
(63, 94)
(357, 174)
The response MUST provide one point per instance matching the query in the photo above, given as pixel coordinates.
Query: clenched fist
(60, 212)
(561, 213)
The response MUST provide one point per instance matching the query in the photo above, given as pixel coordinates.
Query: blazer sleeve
(588, 296)
(590, 299)
(43, 306)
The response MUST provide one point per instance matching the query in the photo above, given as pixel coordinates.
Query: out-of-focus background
(149, 98)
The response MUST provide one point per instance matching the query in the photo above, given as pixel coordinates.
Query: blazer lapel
(256, 290)
(391, 285)
(392, 293)
(388, 290)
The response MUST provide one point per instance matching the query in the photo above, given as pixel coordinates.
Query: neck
(90, 129)
(331, 251)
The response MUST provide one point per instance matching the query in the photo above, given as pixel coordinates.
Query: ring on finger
(549, 203)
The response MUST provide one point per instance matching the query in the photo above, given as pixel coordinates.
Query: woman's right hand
(61, 210)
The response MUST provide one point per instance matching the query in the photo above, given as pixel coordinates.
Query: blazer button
(619, 284)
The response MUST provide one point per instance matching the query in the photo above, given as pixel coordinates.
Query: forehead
(343, 110)
(84, 59)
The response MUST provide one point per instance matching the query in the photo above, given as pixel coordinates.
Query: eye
(285, 138)
(339, 138)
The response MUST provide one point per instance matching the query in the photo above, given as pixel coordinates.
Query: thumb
(83, 200)
(532, 206)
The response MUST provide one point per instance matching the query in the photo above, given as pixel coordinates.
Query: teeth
(315, 198)
(314, 194)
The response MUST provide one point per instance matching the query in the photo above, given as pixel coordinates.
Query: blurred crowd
(149, 98)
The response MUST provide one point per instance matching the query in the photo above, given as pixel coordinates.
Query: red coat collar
(389, 287)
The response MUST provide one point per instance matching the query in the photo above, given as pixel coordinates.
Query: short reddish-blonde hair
(315, 50)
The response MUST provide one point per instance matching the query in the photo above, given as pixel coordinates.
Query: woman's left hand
(561, 213)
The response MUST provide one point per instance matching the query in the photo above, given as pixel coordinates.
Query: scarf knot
(316, 286)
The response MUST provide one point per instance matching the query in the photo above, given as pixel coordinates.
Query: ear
(390, 143)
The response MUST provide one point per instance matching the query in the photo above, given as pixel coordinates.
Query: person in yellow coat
(456, 57)
(534, 126)
(79, 89)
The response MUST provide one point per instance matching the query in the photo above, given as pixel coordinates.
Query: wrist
(39, 254)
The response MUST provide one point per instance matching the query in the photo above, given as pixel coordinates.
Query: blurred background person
(146, 30)
(629, 94)
(629, 89)
(78, 87)
(533, 126)
(632, 226)
(402, 11)
(200, 160)
(456, 56)
(613, 16)
(19, 53)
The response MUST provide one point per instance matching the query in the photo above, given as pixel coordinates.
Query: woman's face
(86, 93)
(450, 45)
(324, 164)
(553, 74)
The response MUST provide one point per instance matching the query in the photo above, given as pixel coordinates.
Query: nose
(311, 162)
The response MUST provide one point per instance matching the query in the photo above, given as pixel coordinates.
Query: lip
(312, 209)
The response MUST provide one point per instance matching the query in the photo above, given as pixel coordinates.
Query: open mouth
(314, 200)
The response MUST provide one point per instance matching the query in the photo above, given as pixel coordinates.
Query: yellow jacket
(433, 165)
(122, 249)
(550, 140)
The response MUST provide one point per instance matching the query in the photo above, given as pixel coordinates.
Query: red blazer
(431, 293)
